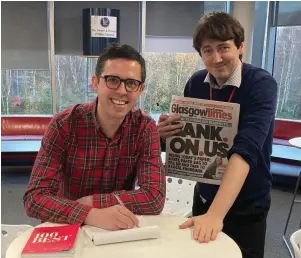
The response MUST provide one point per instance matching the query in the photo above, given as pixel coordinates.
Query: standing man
(239, 206)
(92, 153)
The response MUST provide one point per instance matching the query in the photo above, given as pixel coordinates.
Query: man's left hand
(206, 227)
(86, 200)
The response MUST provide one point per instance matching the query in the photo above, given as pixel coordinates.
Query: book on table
(100, 236)
(53, 241)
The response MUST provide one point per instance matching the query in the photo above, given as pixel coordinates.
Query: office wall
(68, 24)
(24, 36)
(244, 12)
(172, 18)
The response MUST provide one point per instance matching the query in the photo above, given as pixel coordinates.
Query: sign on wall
(103, 26)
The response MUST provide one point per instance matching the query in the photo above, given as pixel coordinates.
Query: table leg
(289, 215)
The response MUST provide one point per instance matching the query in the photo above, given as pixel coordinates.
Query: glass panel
(289, 13)
(167, 74)
(25, 92)
(287, 72)
(73, 80)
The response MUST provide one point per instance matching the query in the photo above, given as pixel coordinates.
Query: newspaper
(199, 151)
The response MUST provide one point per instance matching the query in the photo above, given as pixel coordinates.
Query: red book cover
(51, 239)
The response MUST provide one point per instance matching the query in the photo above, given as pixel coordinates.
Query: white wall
(244, 12)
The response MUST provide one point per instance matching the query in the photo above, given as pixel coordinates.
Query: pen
(121, 203)
(119, 200)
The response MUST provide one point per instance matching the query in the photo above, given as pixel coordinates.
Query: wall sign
(103, 26)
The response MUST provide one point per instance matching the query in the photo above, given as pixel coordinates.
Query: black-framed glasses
(113, 82)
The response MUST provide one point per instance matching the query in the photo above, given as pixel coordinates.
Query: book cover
(51, 239)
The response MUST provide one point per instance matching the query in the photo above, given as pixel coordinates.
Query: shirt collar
(234, 79)
(94, 110)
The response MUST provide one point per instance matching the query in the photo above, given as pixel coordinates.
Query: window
(170, 61)
(73, 71)
(169, 53)
(25, 74)
(73, 80)
(25, 92)
(287, 63)
(167, 76)
(287, 59)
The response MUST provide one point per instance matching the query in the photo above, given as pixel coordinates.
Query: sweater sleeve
(256, 121)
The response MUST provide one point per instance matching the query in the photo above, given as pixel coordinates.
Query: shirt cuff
(101, 201)
(79, 214)
(245, 155)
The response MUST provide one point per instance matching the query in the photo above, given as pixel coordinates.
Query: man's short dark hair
(114, 51)
(218, 26)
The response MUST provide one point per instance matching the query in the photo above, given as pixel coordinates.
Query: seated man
(92, 153)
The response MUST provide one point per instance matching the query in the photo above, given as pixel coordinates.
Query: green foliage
(287, 72)
(167, 74)
(25, 92)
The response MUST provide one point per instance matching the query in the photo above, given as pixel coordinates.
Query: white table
(174, 243)
(296, 142)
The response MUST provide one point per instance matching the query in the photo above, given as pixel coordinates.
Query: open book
(101, 236)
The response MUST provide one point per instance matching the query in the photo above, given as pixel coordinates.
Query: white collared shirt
(234, 79)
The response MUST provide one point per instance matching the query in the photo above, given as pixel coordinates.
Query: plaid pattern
(234, 79)
(76, 159)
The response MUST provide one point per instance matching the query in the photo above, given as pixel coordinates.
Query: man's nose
(121, 89)
(217, 57)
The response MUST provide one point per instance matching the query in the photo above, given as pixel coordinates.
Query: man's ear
(94, 81)
(142, 87)
(241, 48)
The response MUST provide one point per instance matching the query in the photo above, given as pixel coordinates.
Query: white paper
(101, 236)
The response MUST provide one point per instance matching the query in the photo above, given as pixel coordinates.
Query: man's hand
(169, 125)
(206, 227)
(86, 200)
(112, 218)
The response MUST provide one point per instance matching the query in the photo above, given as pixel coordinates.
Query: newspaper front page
(199, 151)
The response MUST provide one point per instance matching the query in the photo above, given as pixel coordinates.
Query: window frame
(268, 62)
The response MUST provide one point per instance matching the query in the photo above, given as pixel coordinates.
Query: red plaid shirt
(76, 159)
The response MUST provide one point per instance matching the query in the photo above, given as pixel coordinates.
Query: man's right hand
(112, 218)
(169, 125)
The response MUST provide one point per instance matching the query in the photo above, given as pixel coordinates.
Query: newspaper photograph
(199, 151)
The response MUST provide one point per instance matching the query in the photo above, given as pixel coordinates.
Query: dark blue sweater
(257, 96)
